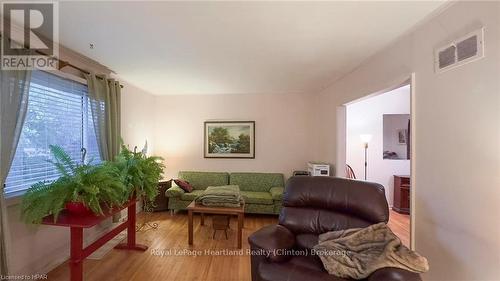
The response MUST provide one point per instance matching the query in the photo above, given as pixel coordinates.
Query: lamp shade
(366, 138)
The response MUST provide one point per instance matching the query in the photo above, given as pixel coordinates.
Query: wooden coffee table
(198, 208)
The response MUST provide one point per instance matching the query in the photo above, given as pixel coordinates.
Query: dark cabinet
(161, 201)
(402, 187)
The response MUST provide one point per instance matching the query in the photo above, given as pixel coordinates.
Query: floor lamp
(365, 138)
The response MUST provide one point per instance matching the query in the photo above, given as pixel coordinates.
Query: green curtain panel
(14, 92)
(105, 100)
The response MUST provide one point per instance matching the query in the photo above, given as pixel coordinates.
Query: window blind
(58, 114)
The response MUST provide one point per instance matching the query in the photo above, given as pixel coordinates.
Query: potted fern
(85, 188)
(81, 188)
(140, 174)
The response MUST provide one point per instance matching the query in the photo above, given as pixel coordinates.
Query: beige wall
(457, 137)
(138, 112)
(282, 130)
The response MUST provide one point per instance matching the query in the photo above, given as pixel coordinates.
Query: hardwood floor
(172, 234)
(400, 225)
(158, 263)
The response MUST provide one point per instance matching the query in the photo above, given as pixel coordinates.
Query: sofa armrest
(272, 240)
(277, 192)
(393, 274)
(174, 191)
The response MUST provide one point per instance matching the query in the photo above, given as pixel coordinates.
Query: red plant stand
(77, 223)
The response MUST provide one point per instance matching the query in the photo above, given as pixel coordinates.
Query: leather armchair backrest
(321, 204)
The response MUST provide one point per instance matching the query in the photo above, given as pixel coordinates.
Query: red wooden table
(77, 223)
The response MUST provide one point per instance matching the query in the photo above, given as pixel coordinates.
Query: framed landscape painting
(229, 139)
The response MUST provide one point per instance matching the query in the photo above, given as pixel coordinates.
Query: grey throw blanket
(221, 196)
(357, 253)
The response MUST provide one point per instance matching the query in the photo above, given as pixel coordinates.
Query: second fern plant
(91, 185)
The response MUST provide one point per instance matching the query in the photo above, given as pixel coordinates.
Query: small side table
(220, 222)
(160, 204)
(161, 201)
(198, 208)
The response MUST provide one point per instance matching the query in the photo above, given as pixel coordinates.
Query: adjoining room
(378, 149)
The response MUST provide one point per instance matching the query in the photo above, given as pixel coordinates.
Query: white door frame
(341, 154)
(413, 158)
(341, 142)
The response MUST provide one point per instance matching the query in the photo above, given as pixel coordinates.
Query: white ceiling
(234, 47)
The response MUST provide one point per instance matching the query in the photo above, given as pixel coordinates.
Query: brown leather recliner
(312, 206)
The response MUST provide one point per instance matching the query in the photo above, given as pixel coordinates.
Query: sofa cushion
(191, 195)
(200, 180)
(252, 197)
(256, 181)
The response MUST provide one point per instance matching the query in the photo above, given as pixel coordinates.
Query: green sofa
(262, 191)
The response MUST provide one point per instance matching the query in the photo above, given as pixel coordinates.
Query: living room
(271, 76)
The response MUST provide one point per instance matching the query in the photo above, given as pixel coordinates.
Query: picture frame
(229, 139)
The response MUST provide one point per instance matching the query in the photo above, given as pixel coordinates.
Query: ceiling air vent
(459, 52)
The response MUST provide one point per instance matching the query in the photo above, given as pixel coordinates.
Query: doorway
(375, 143)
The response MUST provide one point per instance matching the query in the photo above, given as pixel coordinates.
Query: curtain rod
(63, 63)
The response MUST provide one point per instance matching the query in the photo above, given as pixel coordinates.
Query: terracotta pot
(78, 208)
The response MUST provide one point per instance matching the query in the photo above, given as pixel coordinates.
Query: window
(58, 113)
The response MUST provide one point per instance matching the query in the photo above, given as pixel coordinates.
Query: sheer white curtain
(14, 91)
